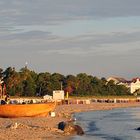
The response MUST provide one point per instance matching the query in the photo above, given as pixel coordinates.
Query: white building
(58, 95)
(47, 97)
(117, 80)
(135, 85)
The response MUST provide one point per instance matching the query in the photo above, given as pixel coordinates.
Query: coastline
(43, 128)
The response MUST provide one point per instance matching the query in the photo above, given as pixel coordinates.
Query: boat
(26, 110)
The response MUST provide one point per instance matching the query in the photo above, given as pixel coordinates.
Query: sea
(116, 124)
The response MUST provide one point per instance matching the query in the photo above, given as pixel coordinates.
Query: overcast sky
(97, 37)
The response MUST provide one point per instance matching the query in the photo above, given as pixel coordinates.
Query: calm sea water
(117, 124)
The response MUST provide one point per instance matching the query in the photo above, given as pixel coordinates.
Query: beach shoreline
(43, 128)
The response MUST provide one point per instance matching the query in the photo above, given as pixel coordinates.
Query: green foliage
(28, 83)
(43, 83)
(29, 87)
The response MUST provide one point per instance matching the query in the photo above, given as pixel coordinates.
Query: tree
(28, 80)
(29, 87)
(1, 73)
(28, 83)
(43, 84)
(96, 85)
(70, 84)
(56, 81)
(12, 80)
(84, 84)
(111, 87)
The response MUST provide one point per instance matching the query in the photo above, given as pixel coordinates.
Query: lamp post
(26, 63)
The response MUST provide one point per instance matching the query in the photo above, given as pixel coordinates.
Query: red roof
(135, 79)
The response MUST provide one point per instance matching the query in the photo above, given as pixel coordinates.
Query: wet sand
(45, 128)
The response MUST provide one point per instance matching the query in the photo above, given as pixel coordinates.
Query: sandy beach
(45, 128)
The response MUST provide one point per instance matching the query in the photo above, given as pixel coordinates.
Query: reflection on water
(117, 124)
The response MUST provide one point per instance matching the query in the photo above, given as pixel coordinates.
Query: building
(47, 97)
(135, 85)
(120, 81)
(58, 95)
(117, 80)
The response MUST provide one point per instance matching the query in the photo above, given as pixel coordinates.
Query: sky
(97, 37)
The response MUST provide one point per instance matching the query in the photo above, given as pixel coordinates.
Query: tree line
(26, 82)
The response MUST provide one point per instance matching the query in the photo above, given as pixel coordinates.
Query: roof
(135, 79)
(118, 79)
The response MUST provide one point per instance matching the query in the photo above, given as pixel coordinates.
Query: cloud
(31, 35)
(93, 36)
(84, 45)
(53, 12)
(109, 38)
